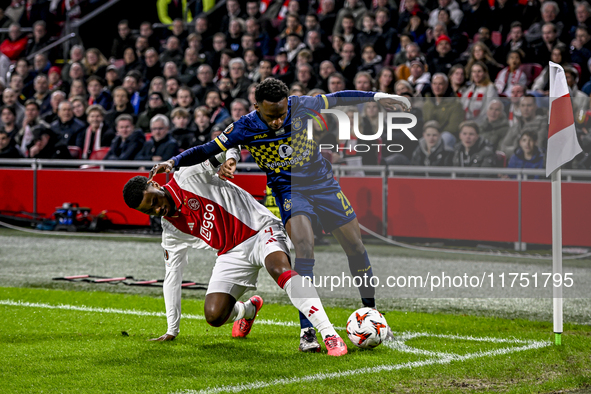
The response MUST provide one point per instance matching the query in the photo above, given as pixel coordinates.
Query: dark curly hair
(272, 90)
(133, 191)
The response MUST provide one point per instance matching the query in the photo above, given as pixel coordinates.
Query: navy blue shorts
(323, 204)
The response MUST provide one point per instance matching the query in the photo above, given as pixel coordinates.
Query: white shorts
(237, 270)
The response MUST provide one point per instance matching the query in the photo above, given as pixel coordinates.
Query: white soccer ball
(367, 328)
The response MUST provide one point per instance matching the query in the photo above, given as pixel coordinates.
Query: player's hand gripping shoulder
(227, 169)
(165, 337)
(393, 102)
(165, 166)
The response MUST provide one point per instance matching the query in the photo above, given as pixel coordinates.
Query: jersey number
(344, 201)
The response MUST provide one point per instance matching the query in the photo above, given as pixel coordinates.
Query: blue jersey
(287, 156)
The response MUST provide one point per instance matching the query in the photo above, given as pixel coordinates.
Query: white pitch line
(82, 308)
(356, 372)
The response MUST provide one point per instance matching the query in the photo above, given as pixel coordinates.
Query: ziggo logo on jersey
(207, 225)
(345, 130)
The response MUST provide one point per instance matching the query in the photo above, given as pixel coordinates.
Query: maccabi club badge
(287, 205)
(193, 204)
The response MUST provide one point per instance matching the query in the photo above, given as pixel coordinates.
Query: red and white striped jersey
(212, 213)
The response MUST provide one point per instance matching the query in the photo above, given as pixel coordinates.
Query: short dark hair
(133, 191)
(272, 90)
(471, 124)
(32, 102)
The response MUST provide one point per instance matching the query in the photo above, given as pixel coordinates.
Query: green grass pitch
(86, 338)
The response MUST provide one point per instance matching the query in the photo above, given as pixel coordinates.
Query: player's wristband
(382, 95)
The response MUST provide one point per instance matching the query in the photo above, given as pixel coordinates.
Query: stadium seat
(75, 152)
(148, 136)
(99, 154)
(497, 38)
(501, 159)
(577, 67)
(532, 71)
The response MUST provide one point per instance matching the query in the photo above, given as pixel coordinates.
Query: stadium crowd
(477, 72)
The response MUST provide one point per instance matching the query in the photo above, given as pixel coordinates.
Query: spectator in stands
(516, 41)
(171, 70)
(549, 12)
(121, 105)
(153, 67)
(512, 74)
(583, 16)
(327, 15)
(97, 135)
(141, 46)
(305, 76)
(252, 61)
(172, 87)
(95, 63)
(238, 108)
(131, 83)
(579, 99)
(40, 64)
(543, 48)
(16, 84)
(128, 142)
(385, 80)
(112, 78)
(477, 96)
(233, 12)
(240, 82)
(172, 51)
(448, 112)
(158, 84)
(40, 38)
(97, 93)
(10, 99)
(560, 55)
(76, 56)
(66, 127)
(185, 99)
(156, 105)
(8, 116)
(412, 51)
(495, 125)
(47, 145)
(16, 42)
(451, 6)
(130, 62)
(42, 93)
(147, 32)
(416, 27)
(188, 70)
(348, 63)
(79, 105)
(485, 38)
(363, 82)
(581, 49)
(476, 12)
(528, 121)
(236, 29)
(419, 78)
(202, 119)
(527, 155)
(205, 79)
(55, 81)
(31, 119)
(77, 89)
(261, 38)
(5, 21)
(223, 70)
(368, 34)
(76, 72)
(371, 62)
(388, 40)
(56, 98)
(8, 149)
(326, 69)
(213, 102)
(178, 30)
(336, 82)
(480, 52)
(432, 151)
(161, 146)
(472, 151)
(181, 119)
(457, 80)
(169, 10)
(443, 58)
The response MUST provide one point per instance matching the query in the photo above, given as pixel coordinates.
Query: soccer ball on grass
(367, 328)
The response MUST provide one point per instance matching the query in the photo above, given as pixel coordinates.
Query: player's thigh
(332, 206)
(273, 250)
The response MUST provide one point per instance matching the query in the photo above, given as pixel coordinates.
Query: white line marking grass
(398, 345)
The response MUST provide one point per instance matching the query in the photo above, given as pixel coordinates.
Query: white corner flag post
(562, 148)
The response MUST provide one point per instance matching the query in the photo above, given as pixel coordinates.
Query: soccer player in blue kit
(300, 178)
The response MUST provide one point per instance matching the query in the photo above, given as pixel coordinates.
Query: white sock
(304, 297)
(249, 310)
(237, 312)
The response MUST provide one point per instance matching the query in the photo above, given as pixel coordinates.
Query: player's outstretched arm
(352, 97)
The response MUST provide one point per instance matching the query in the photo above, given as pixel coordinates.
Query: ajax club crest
(193, 204)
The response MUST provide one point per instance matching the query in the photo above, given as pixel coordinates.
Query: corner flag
(562, 135)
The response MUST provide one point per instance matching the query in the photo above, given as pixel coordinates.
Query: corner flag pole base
(558, 339)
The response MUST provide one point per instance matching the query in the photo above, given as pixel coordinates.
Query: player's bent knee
(215, 317)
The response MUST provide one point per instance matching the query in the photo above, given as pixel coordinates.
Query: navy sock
(359, 266)
(304, 267)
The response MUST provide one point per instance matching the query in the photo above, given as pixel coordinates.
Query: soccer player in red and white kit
(201, 211)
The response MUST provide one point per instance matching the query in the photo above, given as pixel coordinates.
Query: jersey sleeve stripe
(221, 145)
(325, 101)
